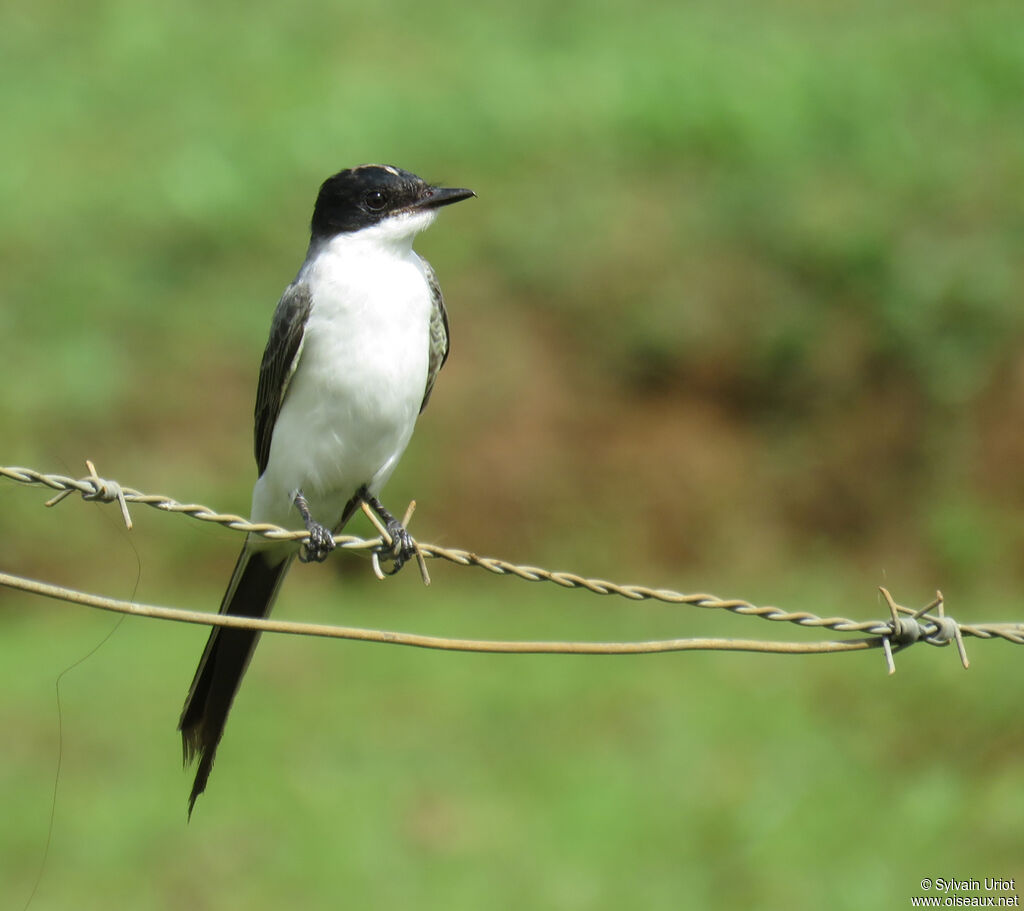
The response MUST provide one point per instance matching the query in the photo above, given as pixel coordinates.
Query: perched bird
(356, 343)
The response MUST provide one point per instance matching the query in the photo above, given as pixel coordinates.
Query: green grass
(737, 310)
(373, 776)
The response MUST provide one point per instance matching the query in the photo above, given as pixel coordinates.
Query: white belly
(353, 401)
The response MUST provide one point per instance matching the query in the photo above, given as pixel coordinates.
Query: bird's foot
(319, 544)
(320, 541)
(401, 547)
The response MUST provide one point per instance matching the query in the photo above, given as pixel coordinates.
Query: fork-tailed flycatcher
(355, 346)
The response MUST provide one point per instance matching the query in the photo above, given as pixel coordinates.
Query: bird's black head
(360, 197)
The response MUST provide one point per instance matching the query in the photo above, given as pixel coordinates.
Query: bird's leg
(320, 542)
(402, 545)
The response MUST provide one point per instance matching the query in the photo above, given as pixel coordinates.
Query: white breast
(353, 401)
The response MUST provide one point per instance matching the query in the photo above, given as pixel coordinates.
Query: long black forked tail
(254, 585)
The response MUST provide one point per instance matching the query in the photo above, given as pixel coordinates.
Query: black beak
(435, 197)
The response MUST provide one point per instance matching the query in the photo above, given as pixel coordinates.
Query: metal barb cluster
(102, 490)
(906, 630)
(905, 626)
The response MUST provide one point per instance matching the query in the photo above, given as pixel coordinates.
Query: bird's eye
(375, 200)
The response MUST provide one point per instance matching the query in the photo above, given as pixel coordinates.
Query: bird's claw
(319, 544)
(401, 549)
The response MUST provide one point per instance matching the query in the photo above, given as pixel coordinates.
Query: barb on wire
(102, 490)
(905, 626)
(908, 630)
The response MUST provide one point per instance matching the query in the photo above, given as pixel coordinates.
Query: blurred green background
(738, 309)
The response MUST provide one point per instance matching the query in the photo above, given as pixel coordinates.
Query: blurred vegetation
(738, 308)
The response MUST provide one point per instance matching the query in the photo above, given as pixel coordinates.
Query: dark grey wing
(438, 334)
(279, 362)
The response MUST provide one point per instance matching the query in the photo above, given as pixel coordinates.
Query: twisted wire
(910, 626)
